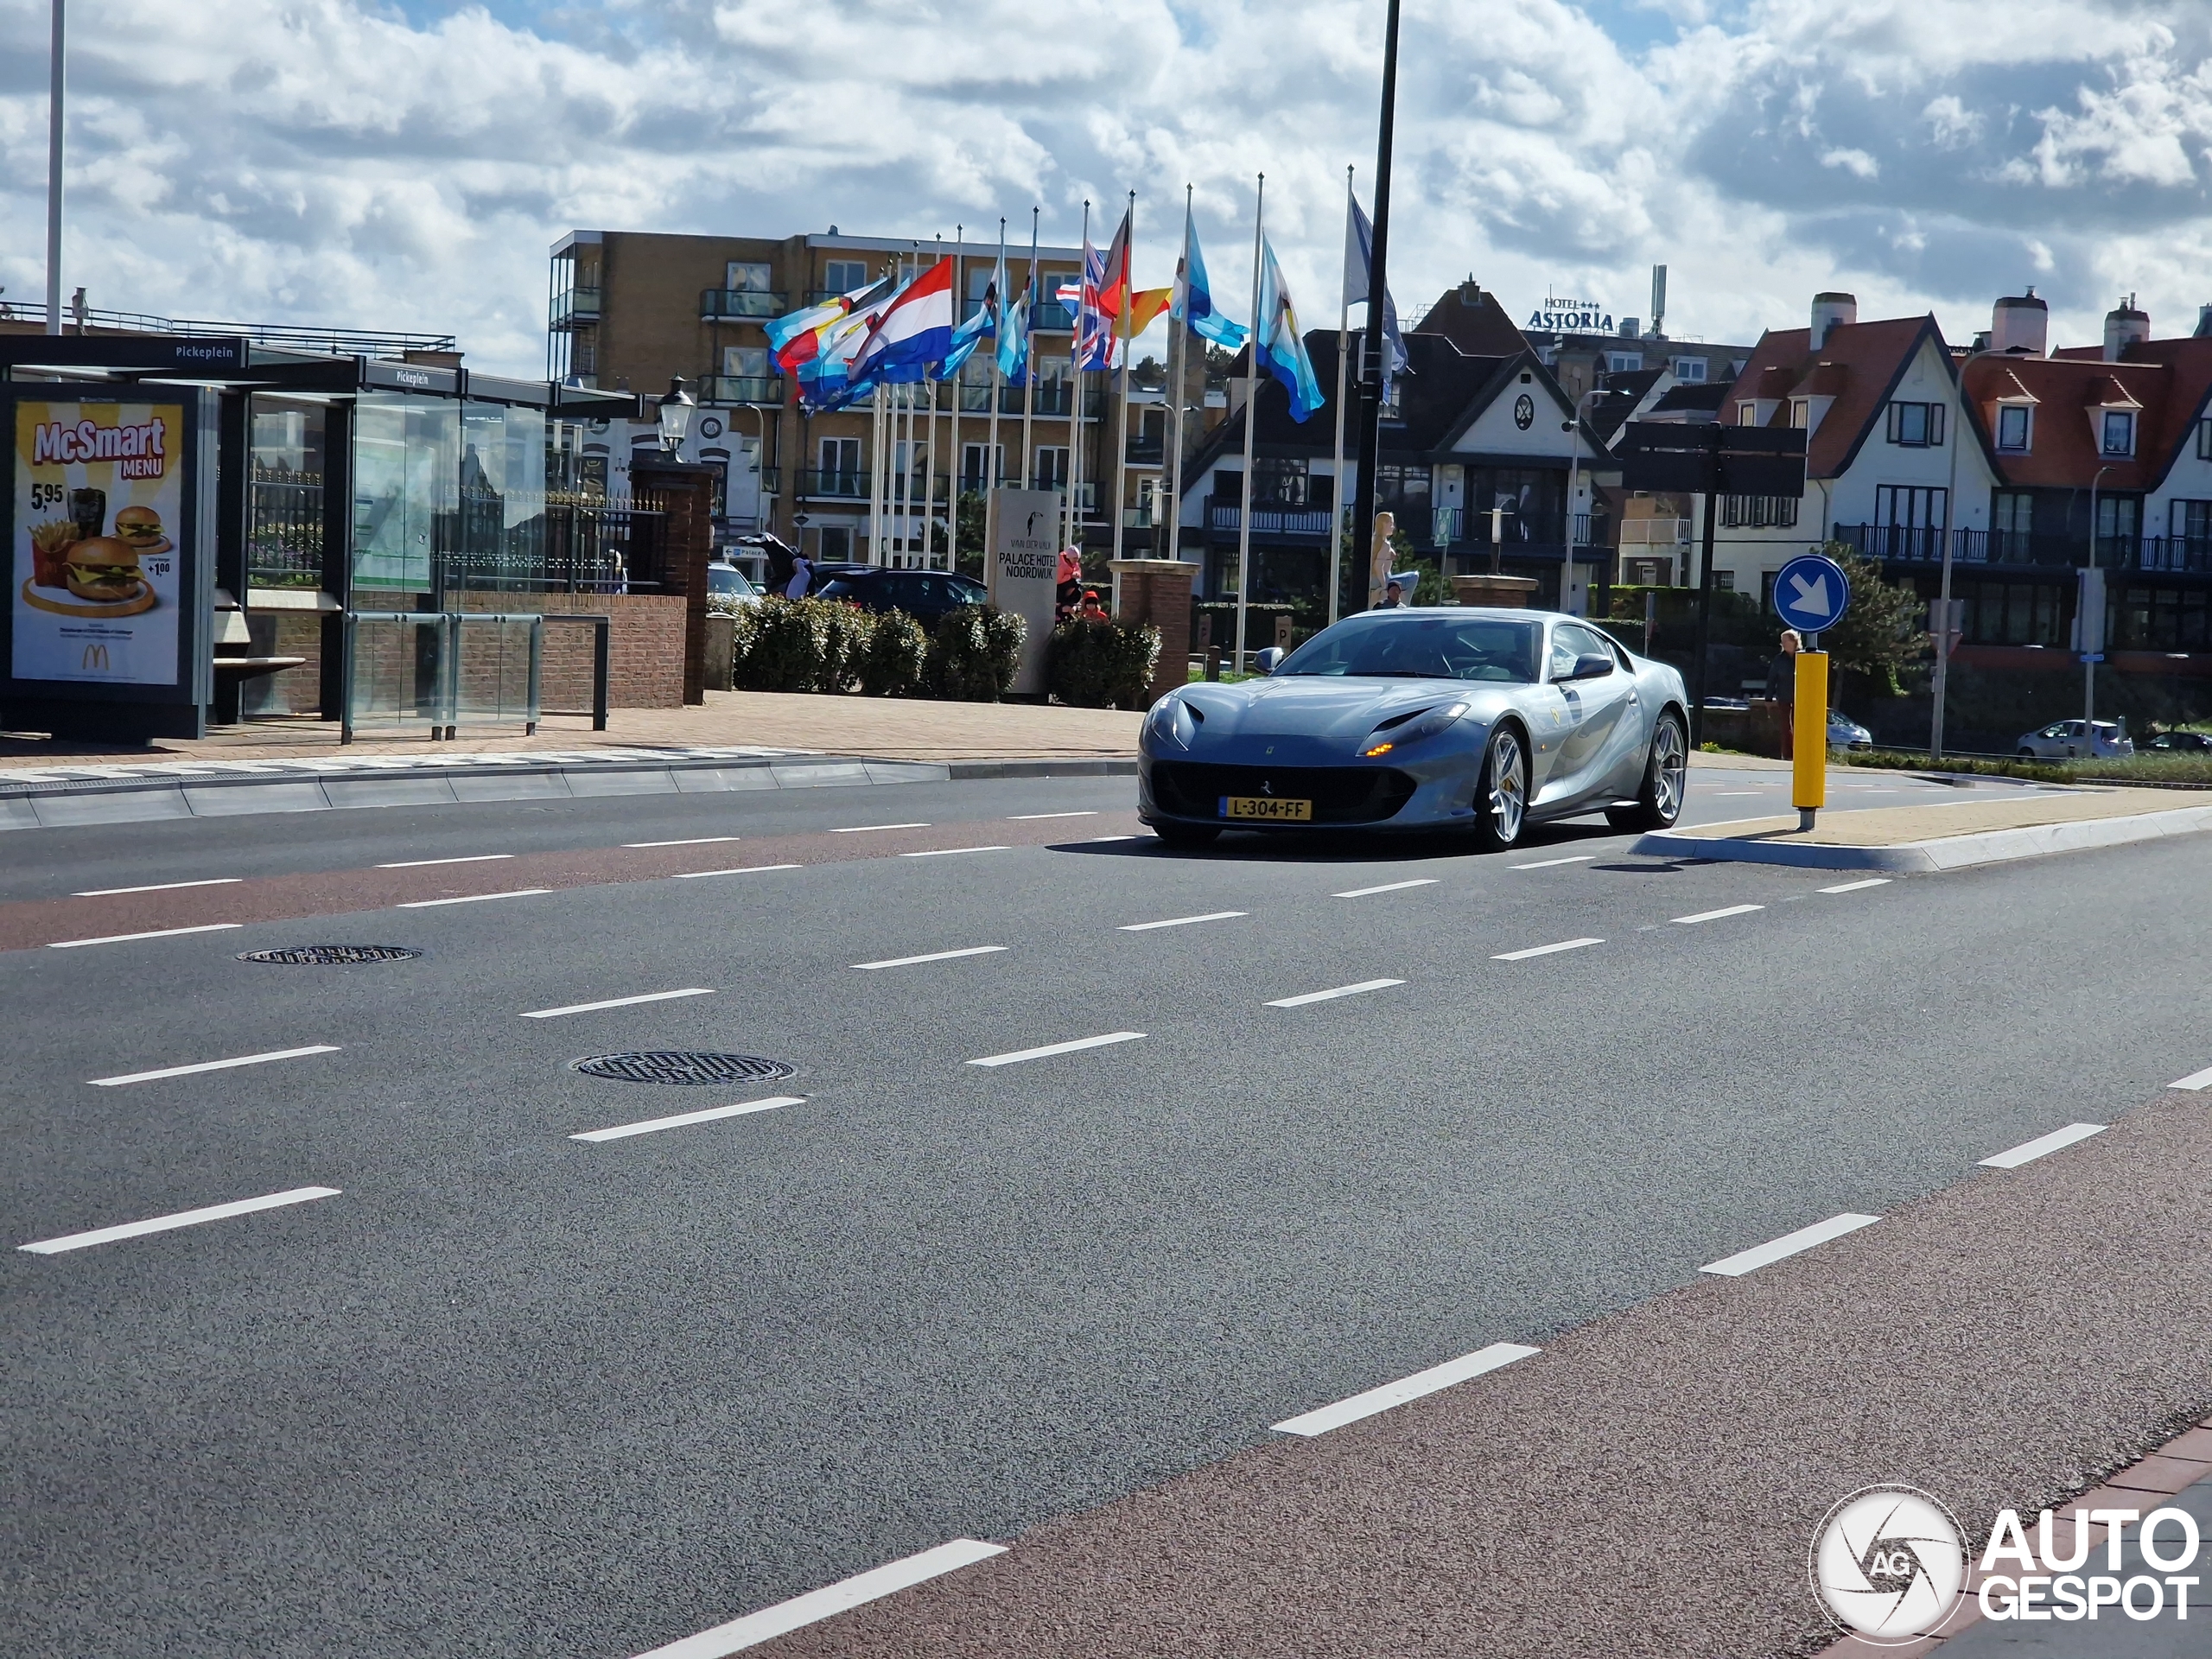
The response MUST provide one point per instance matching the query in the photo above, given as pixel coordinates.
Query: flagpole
(875, 478)
(991, 455)
(1378, 290)
(1251, 420)
(1075, 416)
(1336, 480)
(1121, 443)
(1179, 357)
(952, 469)
(1028, 472)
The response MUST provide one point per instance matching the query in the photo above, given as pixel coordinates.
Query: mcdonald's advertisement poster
(99, 503)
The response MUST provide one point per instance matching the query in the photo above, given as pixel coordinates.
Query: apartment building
(2027, 462)
(636, 309)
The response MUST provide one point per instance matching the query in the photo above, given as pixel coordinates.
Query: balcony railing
(818, 484)
(741, 389)
(1643, 533)
(1147, 452)
(1269, 519)
(575, 305)
(1902, 544)
(725, 304)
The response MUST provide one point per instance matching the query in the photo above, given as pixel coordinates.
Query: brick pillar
(1158, 591)
(685, 493)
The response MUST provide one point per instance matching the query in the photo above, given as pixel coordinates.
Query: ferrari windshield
(1423, 644)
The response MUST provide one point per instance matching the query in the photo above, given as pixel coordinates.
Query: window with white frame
(1690, 370)
(841, 460)
(843, 276)
(2204, 440)
(2015, 426)
(1624, 362)
(1747, 413)
(2118, 432)
(1052, 468)
(1917, 426)
(2190, 521)
(974, 459)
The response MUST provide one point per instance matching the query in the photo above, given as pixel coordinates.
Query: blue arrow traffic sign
(1810, 593)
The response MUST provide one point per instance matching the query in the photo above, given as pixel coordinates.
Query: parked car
(730, 585)
(2063, 739)
(926, 595)
(2179, 743)
(1844, 732)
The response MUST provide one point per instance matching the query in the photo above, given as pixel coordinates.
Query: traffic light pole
(1378, 277)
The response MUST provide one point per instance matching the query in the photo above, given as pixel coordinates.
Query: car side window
(1581, 642)
(1560, 663)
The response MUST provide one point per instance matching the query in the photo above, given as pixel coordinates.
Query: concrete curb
(1944, 852)
(130, 800)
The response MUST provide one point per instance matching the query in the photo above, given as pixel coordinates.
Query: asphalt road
(509, 1392)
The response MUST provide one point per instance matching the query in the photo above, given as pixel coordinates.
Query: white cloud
(327, 160)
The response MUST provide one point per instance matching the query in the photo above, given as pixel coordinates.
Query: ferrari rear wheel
(1501, 792)
(1187, 835)
(1666, 779)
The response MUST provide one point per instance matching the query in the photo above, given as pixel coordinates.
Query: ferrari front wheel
(1502, 791)
(1666, 780)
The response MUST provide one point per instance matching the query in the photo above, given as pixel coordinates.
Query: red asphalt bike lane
(29, 924)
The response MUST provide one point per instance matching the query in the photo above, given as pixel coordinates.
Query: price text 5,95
(47, 495)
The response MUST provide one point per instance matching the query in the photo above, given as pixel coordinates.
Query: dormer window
(2118, 432)
(1747, 414)
(2012, 427)
(1801, 412)
(1690, 370)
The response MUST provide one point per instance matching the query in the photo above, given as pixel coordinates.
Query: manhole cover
(667, 1066)
(324, 955)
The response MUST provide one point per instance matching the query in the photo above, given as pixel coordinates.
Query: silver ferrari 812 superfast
(1423, 719)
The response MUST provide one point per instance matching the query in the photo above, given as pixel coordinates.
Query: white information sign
(1022, 573)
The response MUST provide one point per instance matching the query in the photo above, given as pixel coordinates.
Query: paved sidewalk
(1896, 826)
(888, 728)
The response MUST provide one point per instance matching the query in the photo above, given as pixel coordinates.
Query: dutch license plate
(1267, 808)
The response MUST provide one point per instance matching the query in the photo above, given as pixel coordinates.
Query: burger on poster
(142, 528)
(102, 569)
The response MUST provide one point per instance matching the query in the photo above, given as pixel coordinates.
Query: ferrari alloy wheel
(1502, 794)
(1666, 779)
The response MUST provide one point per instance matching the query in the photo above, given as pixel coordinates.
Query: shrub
(1103, 664)
(897, 661)
(975, 653)
(779, 645)
(846, 633)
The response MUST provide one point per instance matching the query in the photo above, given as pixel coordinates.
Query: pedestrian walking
(802, 576)
(1394, 596)
(1781, 689)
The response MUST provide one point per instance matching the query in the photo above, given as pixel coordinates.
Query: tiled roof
(2165, 380)
(1856, 366)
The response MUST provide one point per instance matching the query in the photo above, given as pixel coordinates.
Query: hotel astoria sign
(1558, 316)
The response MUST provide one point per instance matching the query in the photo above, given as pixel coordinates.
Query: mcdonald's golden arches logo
(95, 657)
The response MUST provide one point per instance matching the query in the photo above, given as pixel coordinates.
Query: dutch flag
(914, 331)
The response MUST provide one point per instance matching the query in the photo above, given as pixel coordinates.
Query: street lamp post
(53, 178)
(2092, 646)
(673, 412)
(1379, 285)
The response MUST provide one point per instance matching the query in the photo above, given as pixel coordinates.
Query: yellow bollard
(1808, 781)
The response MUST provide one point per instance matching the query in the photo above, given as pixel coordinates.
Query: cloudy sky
(404, 163)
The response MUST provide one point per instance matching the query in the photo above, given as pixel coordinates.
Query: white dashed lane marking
(619, 1002)
(473, 899)
(1050, 1049)
(160, 886)
(1324, 1418)
(212, 1065)
(425, 863)
(1716, 915)
(1790, 1244)
(865, 829)
(651, 1125)
(1856, 887)
(1364, 986)
(181, 1218)
(1181, 921)
(2028, 1151)
(1544, 949)
(818, 1604)
(934, 956)
(1388, 886)
(742, 869)
(1549, 863)
(158, 933)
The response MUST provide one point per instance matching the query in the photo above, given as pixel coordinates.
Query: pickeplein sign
(1559, 316)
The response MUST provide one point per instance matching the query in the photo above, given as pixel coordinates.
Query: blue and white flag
(1282, 347)
(1014, 343)
(1193, 301)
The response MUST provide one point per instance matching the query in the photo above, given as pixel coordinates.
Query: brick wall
(645, 647)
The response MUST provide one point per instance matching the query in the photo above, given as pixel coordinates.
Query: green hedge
(1103, 664)
(897, 661)
(827, 645)
(975, 654)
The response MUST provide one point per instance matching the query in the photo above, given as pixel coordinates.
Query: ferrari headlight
(1170, 721)
(1413, 731)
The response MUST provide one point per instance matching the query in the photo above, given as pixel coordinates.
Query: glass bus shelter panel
(501, 546)
(406, 491)
(497, 670)
(400, 672)
(284, 537)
